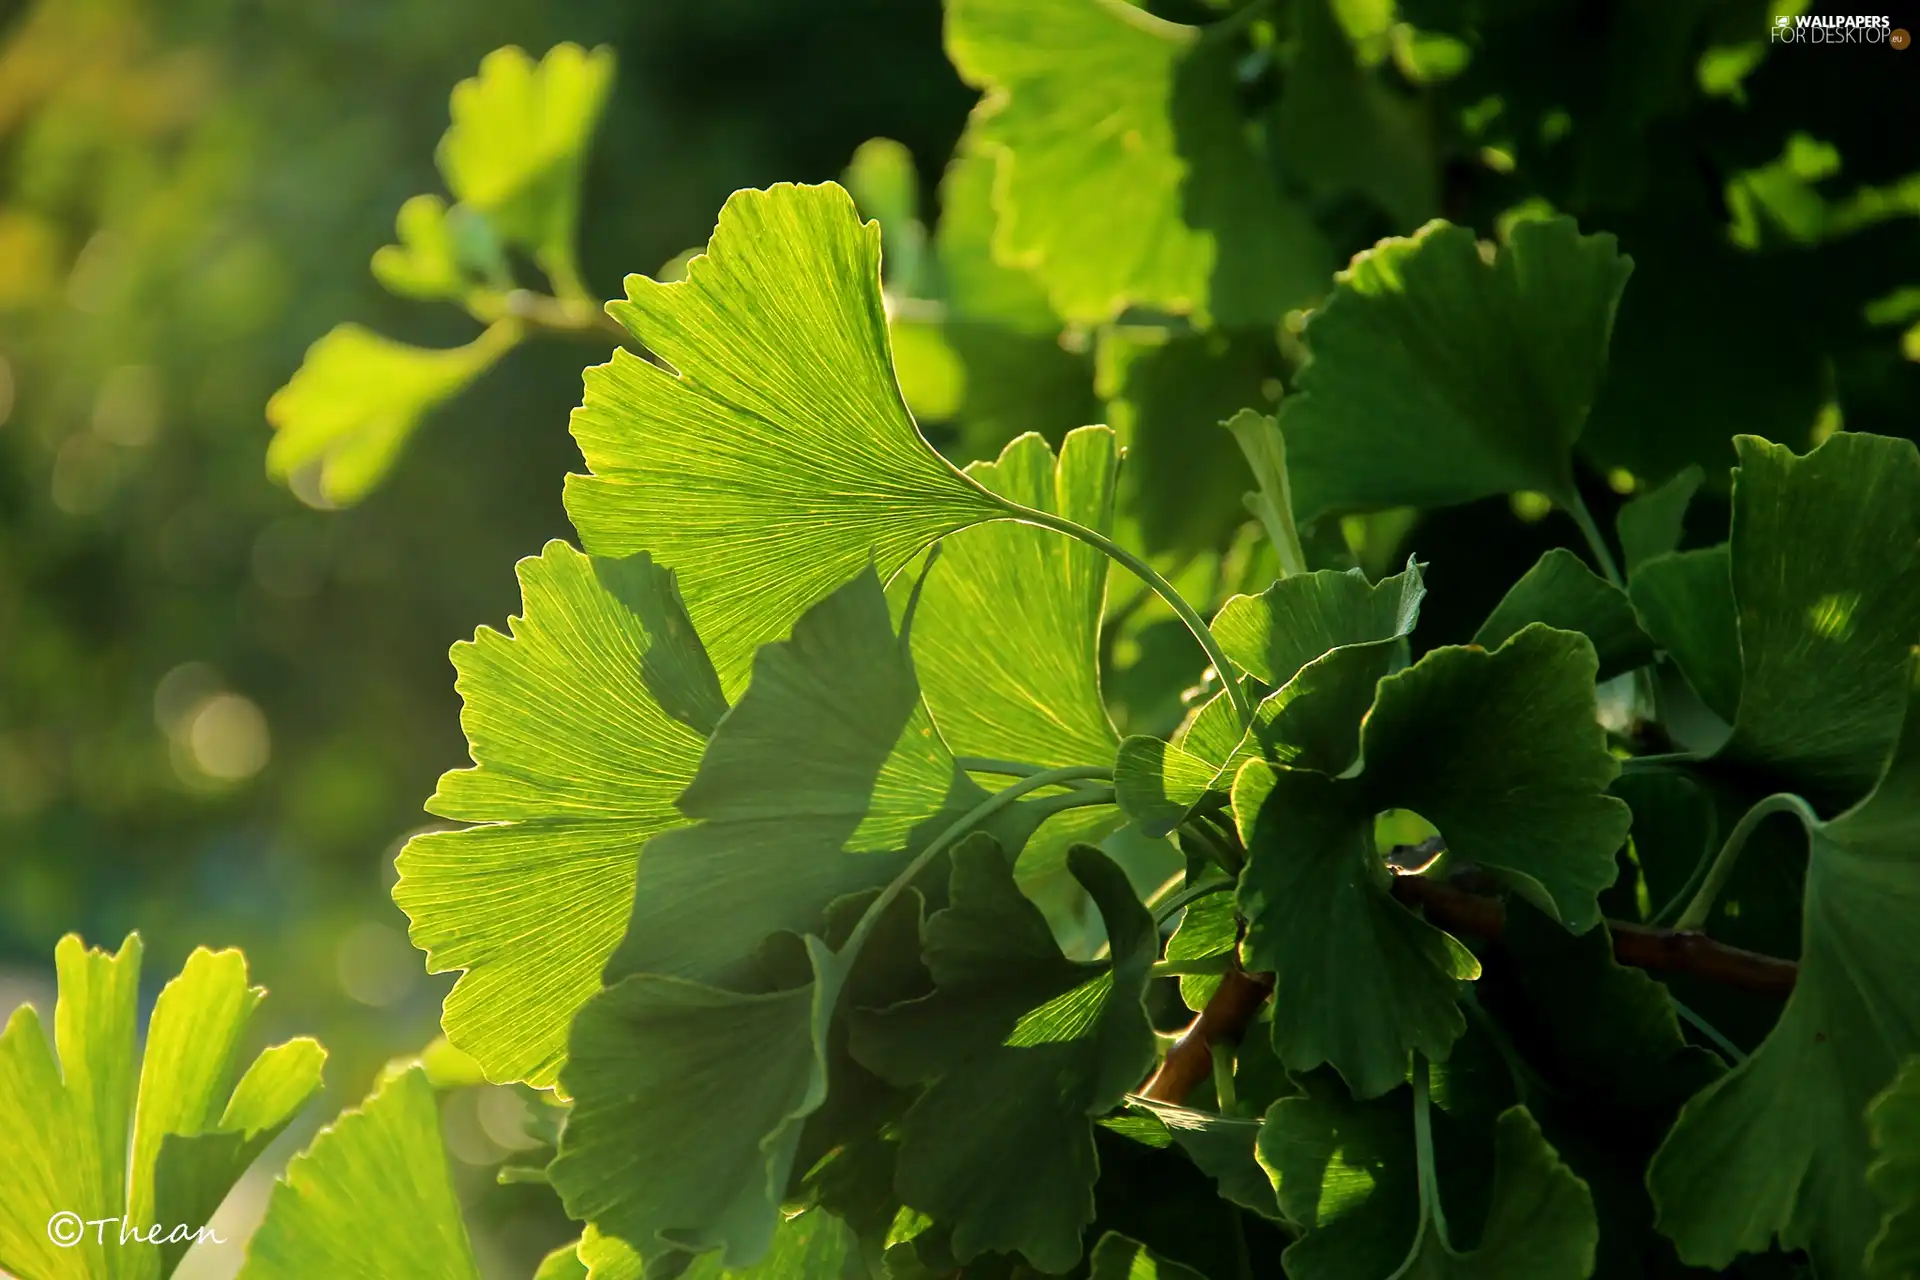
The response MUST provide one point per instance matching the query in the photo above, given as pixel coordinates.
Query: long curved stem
(1161, 587)
(1695, 915)
(963, 825)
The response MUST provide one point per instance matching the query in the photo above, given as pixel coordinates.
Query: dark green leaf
(1894, 1122)
(1651, 524)
(1438, 377)
(1562, 592)
(1685, 601)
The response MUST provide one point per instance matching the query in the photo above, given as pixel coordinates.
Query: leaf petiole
(965, 823)
(1236, 694)
(1695, 916)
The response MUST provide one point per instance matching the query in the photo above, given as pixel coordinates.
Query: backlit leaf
(70, 1114)
(585, 723)
(370, 1197)
(358, 396)
(772, 458)
(1125, 177)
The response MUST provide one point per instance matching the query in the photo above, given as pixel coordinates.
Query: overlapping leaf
(1438, 376)
(1006, 638)
(688, 1106)
(1562, 592)
(357, 397)
(370, 1197)
(772, 458)
(1776, 1149)
(1651, 524)
(1323, 640)
(1019, 1048)
(585, 723)
(1501, 752)
(1124, 175)
(67, 1123)
(823, 781)
(1685, 602)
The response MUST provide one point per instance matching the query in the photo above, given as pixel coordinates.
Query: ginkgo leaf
(805, 1246)
(1157, 784)
(357, 397)
(425, 264)
(1324, 639)
(1502, 752)
(824, 780)
(585, 724)
(1684, 600)
(1826, 576)
(1223, 1147)
(1208, 927)
(1019, 1049)
(1651, 524)
(1540, 1222)
(371, 1196)
(517, 142)
(688, 1106)
(773, 458)
(68, 1124)
(1562, 592)
(1894, 1122)
(1439, 376)
(1117, 1257)
(1006, 638)
(1125, 177)
(1776, 1149)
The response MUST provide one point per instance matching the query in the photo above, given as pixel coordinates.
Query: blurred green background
(221, 707)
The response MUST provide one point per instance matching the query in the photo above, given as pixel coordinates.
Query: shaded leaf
(357, 397)
(1685, 602)
(1208, 927)
(370, 1196)
(824, 780)
(773, 458)
(688, 1107)
(1562, 592)
(1502, 753)
(1020, 1048)
(1124, 175)
(585, 723)
(1118, 1258)
(1775, 1149)
(1223, 1147)
(1438, 377)
(1651, 524)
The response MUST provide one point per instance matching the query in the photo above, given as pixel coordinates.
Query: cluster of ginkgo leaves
(801, 857)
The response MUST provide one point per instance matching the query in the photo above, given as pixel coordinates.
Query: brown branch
(1225, 1019)
(1237, 1002)
(1694, 954)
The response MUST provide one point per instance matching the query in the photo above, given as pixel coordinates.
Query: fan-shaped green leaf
(688, 1106)
(356, 398)
(1223, 1147)
(68, 1123)
(518, 141)
(1439, 376)
(1117, 1257)
(1685, 601)
(1019, 1048)
(585, 723)
(370, 1197)
(1651, 524)
(772, 458)
(823, 781)
(1562, 592)
(1776, 1149)
(1124, 175)
(1500, 751)
(1826, 574)
(426, 263)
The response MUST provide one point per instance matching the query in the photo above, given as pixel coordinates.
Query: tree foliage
(886, 887)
